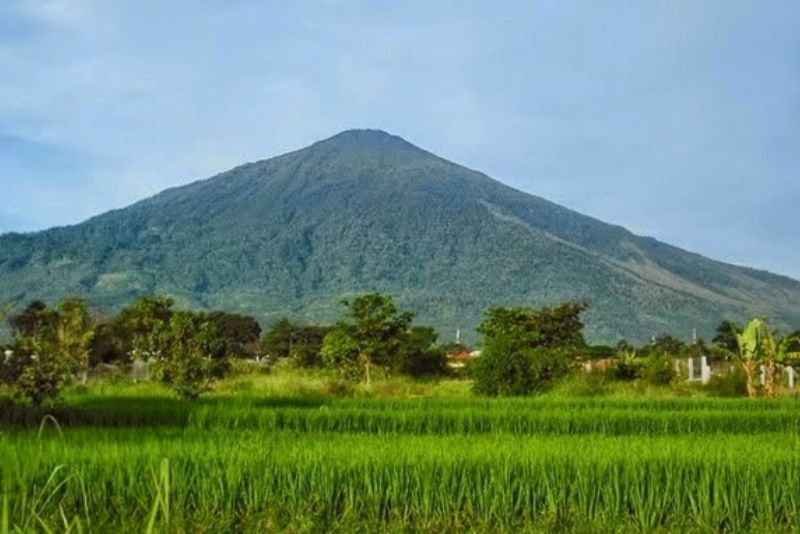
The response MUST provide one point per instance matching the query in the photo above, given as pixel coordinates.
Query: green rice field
(309, 463)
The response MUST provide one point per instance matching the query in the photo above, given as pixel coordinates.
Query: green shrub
(191, 354)
(732, 384)
(659, 370)
(305, 356)
(40, 380)
(423, 361)
(505, 370)
(628, 367)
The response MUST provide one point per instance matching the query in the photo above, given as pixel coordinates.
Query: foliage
(559, 326)
(29, 319)
(628, 366)
(659, 370)
(240, 333)
(731, 384)
(41, 380)
(48, 345)
(139, 321)
(300, 343)
(505, 369)
(600, 352)
(526, 349)
(375, 335)
(341, 350)
(111, 343)
(417, 355)
(668, 344)
(75, 331)
(191, 354)
(725, 335)
(277, 340)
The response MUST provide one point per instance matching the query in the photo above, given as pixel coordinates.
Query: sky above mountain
(675, 119)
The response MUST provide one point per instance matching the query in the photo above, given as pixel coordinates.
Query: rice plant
(238, 464)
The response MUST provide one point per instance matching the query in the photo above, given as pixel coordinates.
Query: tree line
(188, 351)
(525, 350)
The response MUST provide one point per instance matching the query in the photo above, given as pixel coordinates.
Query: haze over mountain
(365, 210)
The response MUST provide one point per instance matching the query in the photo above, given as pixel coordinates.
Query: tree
(277, 340)
(110, 343)
(793, 343)
(37, 368)
(666, 344)
(418, 356)
(526, 349)
(373, 335)
(341, 350)
(301, 343)
(26, 322)
(725, 335)
(239, 332)
(558, 326)
(138, 322)
(74, 331)
(191, 354)
(505, 369)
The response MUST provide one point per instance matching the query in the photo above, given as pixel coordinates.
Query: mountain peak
(366, 138)
(365, 210)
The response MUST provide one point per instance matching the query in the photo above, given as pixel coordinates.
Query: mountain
(365, 210)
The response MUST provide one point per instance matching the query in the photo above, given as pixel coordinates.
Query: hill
(366, 210)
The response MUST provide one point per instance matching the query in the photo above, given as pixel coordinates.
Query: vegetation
(527, 350)
(457, 463)
(362, 426)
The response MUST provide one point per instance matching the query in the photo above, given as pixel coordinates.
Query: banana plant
(751, 344)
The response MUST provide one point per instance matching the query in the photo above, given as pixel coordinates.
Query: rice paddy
(308, 463)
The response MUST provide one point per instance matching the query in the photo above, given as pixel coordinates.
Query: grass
(274, 452)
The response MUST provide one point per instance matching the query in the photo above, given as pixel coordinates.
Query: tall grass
(673, 417)
(273, 480)
(308, 463)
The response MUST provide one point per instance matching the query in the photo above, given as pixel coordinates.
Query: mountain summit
(366, 210)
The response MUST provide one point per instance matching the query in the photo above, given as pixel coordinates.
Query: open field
(261, 456)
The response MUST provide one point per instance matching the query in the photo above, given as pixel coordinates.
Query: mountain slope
(366, 210)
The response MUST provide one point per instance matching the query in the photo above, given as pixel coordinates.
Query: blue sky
(678, 119)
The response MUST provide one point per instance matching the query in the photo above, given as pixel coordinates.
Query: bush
(628, 367)
(40, 380)
(11, 367)
(191, 355)
(426, 362)
(732, 384)
(659, 370)
(306, 356)
(503, 370)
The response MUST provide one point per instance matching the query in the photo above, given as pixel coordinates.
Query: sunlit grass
(277, 451)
